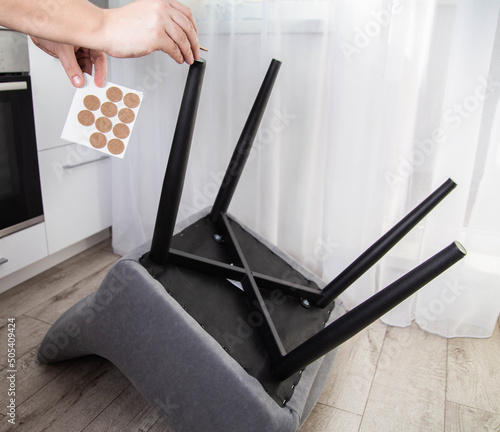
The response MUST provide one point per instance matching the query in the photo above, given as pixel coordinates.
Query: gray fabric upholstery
(171, 360)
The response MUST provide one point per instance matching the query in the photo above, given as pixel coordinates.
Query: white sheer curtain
(377, 103)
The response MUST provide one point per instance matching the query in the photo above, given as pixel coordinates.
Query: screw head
(218, 238)
(304, 302)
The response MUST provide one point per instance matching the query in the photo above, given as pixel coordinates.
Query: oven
(20, 192)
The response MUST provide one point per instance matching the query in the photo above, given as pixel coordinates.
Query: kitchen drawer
(76, 192)
(22, 248)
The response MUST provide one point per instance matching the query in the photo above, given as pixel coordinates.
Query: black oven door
(20, 192)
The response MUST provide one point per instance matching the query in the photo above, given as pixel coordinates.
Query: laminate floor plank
(460, 418)
(31, 376)
(408, 391)
(129, 412)
(50, 310)
(325, 418)
(102, 247)
(32, 281)
(73, 399)
(474, 372)
(3, 323)
(349, 383)
(17, 302)
(29, 332)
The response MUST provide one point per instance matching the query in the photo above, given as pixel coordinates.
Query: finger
(185, 11)
(100, 67)
(184, 19)
(181, 39)
(67, 57)
(172, 49)
(84, 61)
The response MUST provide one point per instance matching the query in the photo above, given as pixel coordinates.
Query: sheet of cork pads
(102, 117)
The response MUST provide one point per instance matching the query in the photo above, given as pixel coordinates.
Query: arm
(134, 30)
(66, 21)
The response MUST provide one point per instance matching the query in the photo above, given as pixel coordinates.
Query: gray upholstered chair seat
(179, 368)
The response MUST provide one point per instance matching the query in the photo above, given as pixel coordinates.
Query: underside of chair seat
(221, 308)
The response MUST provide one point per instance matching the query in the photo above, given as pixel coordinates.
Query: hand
(76, 61)
(144, 26)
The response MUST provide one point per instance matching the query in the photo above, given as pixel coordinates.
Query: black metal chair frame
(284, 363)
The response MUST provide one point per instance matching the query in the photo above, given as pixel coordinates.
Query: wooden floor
(385, 379)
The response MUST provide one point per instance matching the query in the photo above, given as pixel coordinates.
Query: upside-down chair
(217, 328)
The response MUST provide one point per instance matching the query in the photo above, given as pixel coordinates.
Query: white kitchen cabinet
(76, 193)
(52, 96)
(22, 248)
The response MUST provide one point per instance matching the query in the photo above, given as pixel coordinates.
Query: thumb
(67, 57)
